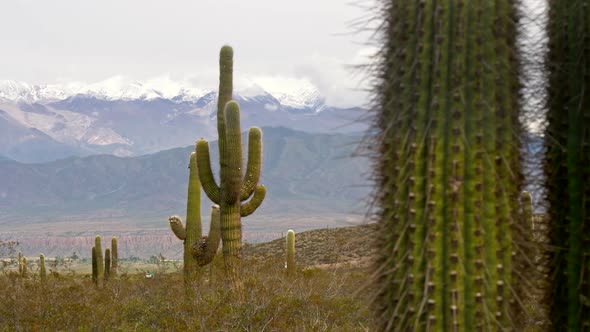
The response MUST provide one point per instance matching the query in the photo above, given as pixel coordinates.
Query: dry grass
(313, 300)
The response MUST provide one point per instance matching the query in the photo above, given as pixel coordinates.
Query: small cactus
(290, 252)
(99, 259)
(24, 270)
(20, 263)
(94, 266)
(114, 256)
(42, 270)
(107, 264)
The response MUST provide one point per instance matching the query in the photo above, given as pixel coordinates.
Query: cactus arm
(290, 252)
(253, 204)
(232, 182)
(252, 175)
(206, 255)
(205, 173)
(177, 227)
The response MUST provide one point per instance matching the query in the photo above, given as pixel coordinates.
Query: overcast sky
(60, 41)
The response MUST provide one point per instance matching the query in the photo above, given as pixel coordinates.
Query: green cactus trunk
(114, 257)
(94, 266)
(235, 186)
(42, 270)
(567, 163)
(107, 264)
(447, 166)
(198, 250)
(291, 252)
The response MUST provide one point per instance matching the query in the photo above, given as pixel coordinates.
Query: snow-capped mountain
(127, 117)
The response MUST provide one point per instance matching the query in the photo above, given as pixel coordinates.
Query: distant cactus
(99, 259)
(107, 264)
(567, 162)
(199, 250)
(114, 257)
(446, 145)
(24, 270)
(94, 266)
(20, 263)
(42, 270)
(236, 186)
(291, 252)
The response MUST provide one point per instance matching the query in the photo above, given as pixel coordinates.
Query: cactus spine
(198, 250)
(290, 252)
(107, 264)
(447, 167)
(235, 187)
(42, 270)
(567, 162)
(114, 256)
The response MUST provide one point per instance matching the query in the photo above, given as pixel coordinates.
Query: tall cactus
(447, 165)
(235, 186)
(42, 270)
(198, 250)
(114, 256)
(290, 252)
(567, 162)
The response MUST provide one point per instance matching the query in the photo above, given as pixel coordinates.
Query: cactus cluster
(567, 162)
(447, 166)
(104, 267)
(199, 250)
(235, 185)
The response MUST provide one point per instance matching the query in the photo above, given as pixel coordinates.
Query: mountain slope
(310, 178)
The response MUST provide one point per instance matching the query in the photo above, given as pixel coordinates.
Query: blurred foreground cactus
(446, 142)
(236, 186)
(199, 250)
(290, 252)
(567, 163)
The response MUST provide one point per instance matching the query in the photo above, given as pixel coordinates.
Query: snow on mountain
(293, 93)
(290, 93)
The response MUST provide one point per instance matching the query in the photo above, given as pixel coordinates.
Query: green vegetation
(199, 250)
(567, 162)
(311, 300)
(235, 186)
(448, 168)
